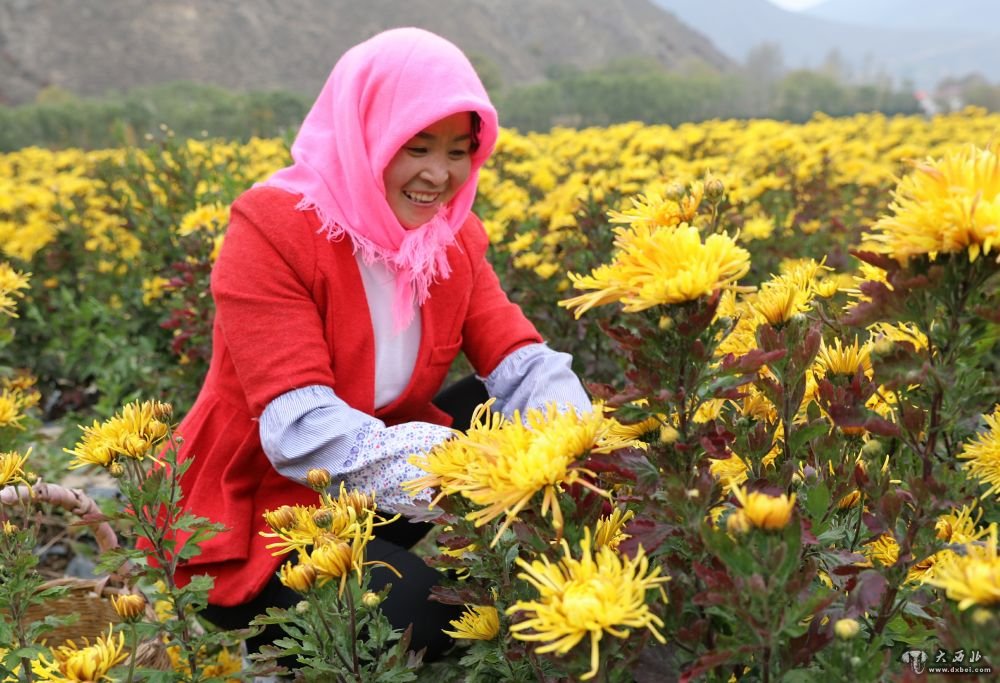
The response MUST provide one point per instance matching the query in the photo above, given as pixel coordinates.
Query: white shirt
(395, 352)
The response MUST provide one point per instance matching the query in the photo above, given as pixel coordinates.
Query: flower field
(792, 337)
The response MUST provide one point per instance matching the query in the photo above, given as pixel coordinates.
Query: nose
(435, 171)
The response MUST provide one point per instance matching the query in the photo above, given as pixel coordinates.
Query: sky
(795, 4)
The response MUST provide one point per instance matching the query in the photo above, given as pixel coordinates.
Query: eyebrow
(424, 135)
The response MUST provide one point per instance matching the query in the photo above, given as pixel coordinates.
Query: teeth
(421, 197)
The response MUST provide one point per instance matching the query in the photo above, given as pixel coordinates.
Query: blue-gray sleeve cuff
(534, 376)
(312, 427)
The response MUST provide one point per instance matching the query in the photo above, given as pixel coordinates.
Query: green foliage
(636, 91)
(190, 110)
(627, 90)
(340, 636)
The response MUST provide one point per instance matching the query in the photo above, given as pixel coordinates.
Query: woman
(347, 284)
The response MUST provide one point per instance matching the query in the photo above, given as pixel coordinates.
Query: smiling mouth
(422, 198)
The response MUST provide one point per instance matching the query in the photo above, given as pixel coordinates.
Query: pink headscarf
(380, 94)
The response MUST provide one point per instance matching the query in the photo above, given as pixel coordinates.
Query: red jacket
(291, 312)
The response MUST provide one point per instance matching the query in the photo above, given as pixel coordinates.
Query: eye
(458, 153)
(416, 150)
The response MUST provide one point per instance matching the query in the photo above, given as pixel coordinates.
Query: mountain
(977, 16)
(91, 47)
(920, 54)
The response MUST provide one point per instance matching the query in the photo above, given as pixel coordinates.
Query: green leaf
(817, 501)
(804, 434)
(793, 546)
(512, 553)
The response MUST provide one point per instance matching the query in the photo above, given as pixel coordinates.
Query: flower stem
(134, 644)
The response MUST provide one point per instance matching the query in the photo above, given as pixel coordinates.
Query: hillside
(91, 48)
(921, 55)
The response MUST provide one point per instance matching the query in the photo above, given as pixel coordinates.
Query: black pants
(407, 602)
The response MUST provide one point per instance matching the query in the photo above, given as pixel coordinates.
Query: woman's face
(429, 169)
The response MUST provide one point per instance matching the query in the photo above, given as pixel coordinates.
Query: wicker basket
(88, 599)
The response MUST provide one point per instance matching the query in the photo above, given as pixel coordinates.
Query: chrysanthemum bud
(323, 518)
(156, 430)
(130, 607)
(849, 500)
(668, 434)
(299, 577)
(318, 479)
(715, 189)
(282, 518)
(116, 469)
(360, 502)
(872, 448)
(370, 599)
(675, 191)
(982, 616)
(846, 628)
(883, 346)
(302, 606)
(737, 523)
(161, 410)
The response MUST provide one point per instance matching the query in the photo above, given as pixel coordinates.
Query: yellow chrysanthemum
(478, 622)
(760, 511)
(610, 529)
(299, 527)
(960, 526)
(133, 432)
(153, 289)
(637, 430)
(226, 664)
(983, 454)
(12, 404)
(654, 210)
(778, 304)
(945, 205)
(654, 266)
(839, 359)
(12, 467)
(11, 284)
(299, 577)
(210, 217)
(790, 293)
(500, 464)
(129, 606)
(730, 472)
(88, 664)
(973, 577)
(602, 592)
(884, 550)
(955, 527)
(17, 396)
(757, 228)
(898, 332)
(337, 559)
